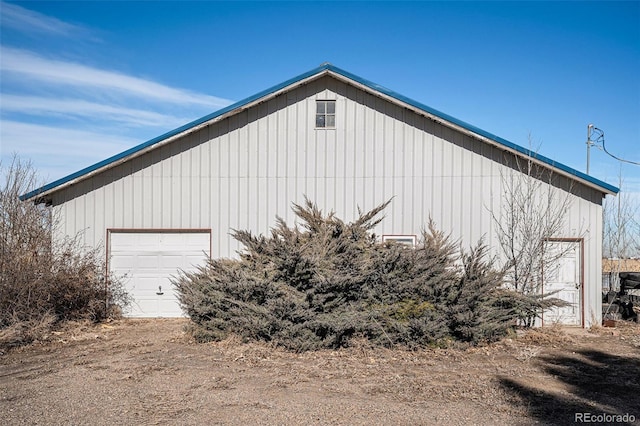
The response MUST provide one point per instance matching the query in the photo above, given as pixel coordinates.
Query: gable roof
(340, 74)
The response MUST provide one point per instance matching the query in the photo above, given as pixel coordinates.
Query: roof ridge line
(316, 72)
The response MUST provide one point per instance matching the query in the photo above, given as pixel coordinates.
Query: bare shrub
(327, 282)
(533, 210)
(44, 281)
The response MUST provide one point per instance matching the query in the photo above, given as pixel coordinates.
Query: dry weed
(546, 336)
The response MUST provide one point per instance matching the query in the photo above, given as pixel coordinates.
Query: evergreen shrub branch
(324, 282)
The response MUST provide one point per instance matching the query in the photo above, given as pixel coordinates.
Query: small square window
(326, 114)
(409, 240)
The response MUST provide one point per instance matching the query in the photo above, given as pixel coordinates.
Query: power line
(617, 158)
(591, 130)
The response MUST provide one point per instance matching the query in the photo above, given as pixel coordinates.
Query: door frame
(581, 273)
(110, 231)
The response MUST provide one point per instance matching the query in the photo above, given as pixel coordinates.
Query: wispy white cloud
(31, 66)
(25, 20)
(80, 108)
(64, 114)
(57, 151)
(43, 139)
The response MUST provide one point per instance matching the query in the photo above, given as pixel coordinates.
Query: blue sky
(81, 81)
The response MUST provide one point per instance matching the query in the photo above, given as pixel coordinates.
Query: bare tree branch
(533, 210)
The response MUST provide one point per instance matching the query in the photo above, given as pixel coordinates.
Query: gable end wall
(241, 172)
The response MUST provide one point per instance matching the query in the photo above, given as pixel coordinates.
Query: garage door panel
(149, 260)
(197, 241)
(146, 283)
(167, 306)
(173, 261)
(145, 307)
(175, 240)
(148, 241)
(122, 262)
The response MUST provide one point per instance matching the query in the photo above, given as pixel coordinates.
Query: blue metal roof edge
(169, 134)
(301, 77)
(476, 130)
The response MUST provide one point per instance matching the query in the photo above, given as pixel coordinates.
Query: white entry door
(563, 280)
(148, 260)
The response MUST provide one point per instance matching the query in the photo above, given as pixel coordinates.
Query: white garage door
(147, 260)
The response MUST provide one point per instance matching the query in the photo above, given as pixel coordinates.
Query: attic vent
(326, 114)
(409, 240)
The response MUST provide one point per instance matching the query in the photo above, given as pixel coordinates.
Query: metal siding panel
(157, 194)
(135, 184)
(193, 179)
(274, 156)
(215, 203)
(205, 203)
(118, 204)
(302, 123)
(176, 191)
(232, 148)
(408, 211)
(89, 219)
(214, 153)
(204, 154)
(462, 192)
(146, 200)
(435, 202)
(270, 143)
(290, 135)
(181, 201)
(79, 209)
(436, 165)
(422, 165)
(259, 208)
(347, 154)
(222, 211)
(232, 203)
(482, 200)
(123, 195)
(468, 187)
(254, 138)
(98, 215)
(349, 201)
(362, 198)
(224, 150)
(261, 141)
(165, 192)
(292, 185)
(367, 146)
(594, 276)
(282, 143)
(399, 148)
(279, 199)
(387, 142)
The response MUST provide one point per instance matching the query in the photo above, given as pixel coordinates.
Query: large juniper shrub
(323, 282)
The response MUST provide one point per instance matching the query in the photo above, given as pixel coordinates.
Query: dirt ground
(150, 372)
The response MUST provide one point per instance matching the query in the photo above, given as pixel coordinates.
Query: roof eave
(41, 194)
(473, 131)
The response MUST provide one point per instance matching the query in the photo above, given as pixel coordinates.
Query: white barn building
(340, 140)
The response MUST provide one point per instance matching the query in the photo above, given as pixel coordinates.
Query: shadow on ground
(589, 381)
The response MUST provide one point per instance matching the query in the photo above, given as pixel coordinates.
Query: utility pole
(591, 130)
(589, 127)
